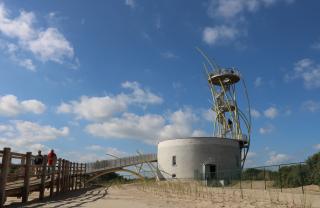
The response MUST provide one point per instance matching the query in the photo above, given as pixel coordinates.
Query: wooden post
(63, 173)
(73, 172)
(6, 160)
(26, 182)
(68, 173)
(43, 177)
(66, 176)
(80, 165)
(59, 176)
(81, 175)
(77, 171)
(53, 169)
(301, 178)
(85, 175)
(264, 177)
(280, 177)
(70, 176)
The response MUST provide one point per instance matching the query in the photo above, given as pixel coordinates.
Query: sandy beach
(134, 195)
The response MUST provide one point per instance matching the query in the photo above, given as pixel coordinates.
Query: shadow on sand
(70, 199)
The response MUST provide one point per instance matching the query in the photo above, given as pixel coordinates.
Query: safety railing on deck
(120, 162)
(20, 176)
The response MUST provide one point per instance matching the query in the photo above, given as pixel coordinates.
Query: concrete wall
(192, 153)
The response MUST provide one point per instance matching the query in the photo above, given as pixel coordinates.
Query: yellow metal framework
(229, 121)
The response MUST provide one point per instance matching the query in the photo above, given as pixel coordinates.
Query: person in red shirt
(52, 159)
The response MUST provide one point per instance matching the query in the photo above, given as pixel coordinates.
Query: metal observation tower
(228, 90)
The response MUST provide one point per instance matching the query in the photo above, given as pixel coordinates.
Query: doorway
(210, 171)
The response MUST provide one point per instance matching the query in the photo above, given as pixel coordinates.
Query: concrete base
(191, 158)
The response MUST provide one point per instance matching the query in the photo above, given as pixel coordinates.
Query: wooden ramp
(20, 177)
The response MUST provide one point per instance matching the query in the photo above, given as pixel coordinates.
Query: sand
(143, 196)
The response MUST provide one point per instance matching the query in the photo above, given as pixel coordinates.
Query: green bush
(313, 164)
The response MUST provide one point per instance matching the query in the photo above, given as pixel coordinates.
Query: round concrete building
(194, 157)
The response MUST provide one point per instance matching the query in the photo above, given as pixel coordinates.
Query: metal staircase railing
(119, 163)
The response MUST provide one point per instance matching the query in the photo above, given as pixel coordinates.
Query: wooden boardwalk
(19, 176)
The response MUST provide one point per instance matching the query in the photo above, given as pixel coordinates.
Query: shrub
(313, 164)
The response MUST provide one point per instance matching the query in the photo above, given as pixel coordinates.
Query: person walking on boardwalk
(38, 160)
(52, 159)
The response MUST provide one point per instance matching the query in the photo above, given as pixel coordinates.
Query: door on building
(210, 171)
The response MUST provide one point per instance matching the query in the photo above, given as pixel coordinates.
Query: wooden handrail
(19, 179)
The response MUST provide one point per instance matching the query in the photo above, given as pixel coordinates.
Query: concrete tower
(226, 151)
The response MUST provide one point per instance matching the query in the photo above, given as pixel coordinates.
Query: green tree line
(289, 176)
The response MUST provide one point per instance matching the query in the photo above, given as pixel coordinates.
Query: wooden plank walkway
(19, 176)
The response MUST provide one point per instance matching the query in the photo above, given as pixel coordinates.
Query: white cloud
(317, 147)
(251, 159)
(271, 113)
(130, 3)
(95, 148)
(232, 9)
(209, 115)
(277, 158)
(115, 152)
(78, 156)
(129, 126)
(33, 106)
(231, 14)
(28, 64)
(288, 112)
(316, 45)
(311, 106)
(51, 45)
(99, 108)
(21, 135)
(306, 70)
(251, 155)
(267, 129)
(149, 128)
(199, 133)
(11, 106)
(180, 124)
(169, 55)
(139, 95)
(107, 150)
(13, 51)
(5, 128)
(258, 82)
(219, 34)
(46, 44)
(158, 22)
(93, 108)
(255, 113)
(20, 27)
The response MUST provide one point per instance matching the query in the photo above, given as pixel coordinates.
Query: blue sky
(116, 76)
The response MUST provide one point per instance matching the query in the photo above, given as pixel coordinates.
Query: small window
(174, 160)
(174, 175)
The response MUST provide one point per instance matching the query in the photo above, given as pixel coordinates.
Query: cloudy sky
(117, 76)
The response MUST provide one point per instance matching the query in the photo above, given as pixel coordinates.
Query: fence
(288, 177)
(293, 177)
(20, 176)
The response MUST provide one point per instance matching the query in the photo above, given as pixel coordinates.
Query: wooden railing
(20, 176)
